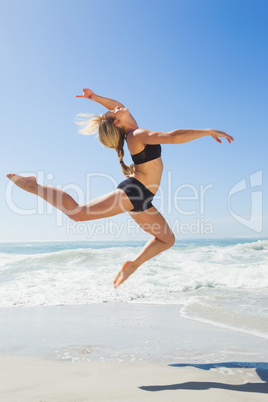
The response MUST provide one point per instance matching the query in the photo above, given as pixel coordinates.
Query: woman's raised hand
(87, 93)
(215, 134)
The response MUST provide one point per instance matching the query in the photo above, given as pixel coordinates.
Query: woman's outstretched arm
(178, 136)
(186, 135)
(110, 104)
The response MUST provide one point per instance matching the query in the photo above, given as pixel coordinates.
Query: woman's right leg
(107, 205)
(152, 222)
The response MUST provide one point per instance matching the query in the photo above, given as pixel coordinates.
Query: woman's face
(118, 113)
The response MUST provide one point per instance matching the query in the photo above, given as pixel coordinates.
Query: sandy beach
(126, 352)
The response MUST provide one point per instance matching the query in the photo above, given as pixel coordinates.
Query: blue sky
(175, 64)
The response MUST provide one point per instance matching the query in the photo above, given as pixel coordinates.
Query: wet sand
(128, 352)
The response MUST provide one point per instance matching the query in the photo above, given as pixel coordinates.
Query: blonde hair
(109, 135)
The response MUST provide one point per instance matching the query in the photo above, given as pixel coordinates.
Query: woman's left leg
(110, 204)
(152, 222)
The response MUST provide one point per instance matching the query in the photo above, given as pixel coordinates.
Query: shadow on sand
(259, 387)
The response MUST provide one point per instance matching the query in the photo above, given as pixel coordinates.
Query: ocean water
(221, 282)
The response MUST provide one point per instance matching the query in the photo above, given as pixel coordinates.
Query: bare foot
(126, 271)
(26, 183)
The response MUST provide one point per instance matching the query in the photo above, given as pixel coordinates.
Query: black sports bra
(149, 153)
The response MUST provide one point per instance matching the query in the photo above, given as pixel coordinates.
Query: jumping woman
(133, 195)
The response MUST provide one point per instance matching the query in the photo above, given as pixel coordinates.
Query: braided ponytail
(127, 170)
(109, 135)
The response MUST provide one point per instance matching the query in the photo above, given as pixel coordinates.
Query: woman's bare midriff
(149, 174)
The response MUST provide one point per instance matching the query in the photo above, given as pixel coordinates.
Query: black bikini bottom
(138, 194)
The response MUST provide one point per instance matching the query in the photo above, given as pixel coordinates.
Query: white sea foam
(213, 282)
